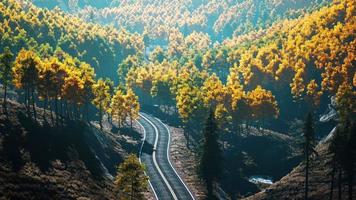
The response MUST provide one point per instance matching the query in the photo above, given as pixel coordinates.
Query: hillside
(292, 185)
(229, 96)
(24, 25)
(219, 19)
(40, 161)
(254, 152)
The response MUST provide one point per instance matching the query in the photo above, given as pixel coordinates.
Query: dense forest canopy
(294, 62)
(46, 31)
(226, 74)
(219, 19)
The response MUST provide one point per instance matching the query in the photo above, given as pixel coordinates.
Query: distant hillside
(40, 161)
(220, 19)
(70, 4)
(24, 25)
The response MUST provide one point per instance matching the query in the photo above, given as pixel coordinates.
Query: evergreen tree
(5, 71)
(211, 157)
(131, 181)
(309, 144)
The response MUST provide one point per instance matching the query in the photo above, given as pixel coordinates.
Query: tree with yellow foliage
(190, 106)
(215, 97)
(101, 90)
(25, 72)
(118, 112)
(46, 84)
(235, 96)
(73, 92)
(214, 92)
(87, 75)
(131, 105)
(262, 104)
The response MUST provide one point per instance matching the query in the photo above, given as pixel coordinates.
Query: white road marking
(143, 142)
(155, 160)
(169, 159)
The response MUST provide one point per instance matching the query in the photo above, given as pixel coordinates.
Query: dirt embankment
(185, 161)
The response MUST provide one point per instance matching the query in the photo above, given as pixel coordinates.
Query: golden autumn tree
(131, 105)
(215, 94)
(190, 105)
(87, 75)
(262, 104)
(45, 83)
(235, 96)
(73, 92)
(118, 112)
(25, 72)
(189, 100)
(102, 97)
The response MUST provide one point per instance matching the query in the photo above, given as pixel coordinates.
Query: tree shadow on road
(147, 148)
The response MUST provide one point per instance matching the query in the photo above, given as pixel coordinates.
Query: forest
(265, 90)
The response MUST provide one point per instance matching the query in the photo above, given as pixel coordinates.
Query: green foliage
(218, 19)
(131, 181)
(42, 30)
(6, 60)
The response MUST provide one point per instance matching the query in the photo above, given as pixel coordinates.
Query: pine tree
(309, 143)
(5, 71)
(211, 156)
(131, 181)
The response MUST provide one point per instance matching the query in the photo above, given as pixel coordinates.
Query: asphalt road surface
(163, 178)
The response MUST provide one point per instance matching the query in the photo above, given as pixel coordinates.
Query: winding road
(163, 178)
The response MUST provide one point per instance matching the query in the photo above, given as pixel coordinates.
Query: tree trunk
(62, 113)
(87, 112)
(332, 179)
(5, 96)
(27, 101)
(56, 109)
(340, 184)
(101, 117)
(51, 110)
(33, 104)
(44, 108)
(306, 173)
(67, 110)
(350, 184)
(209, 187)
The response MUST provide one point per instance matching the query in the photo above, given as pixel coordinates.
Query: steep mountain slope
(41, 161)
(292, 185)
